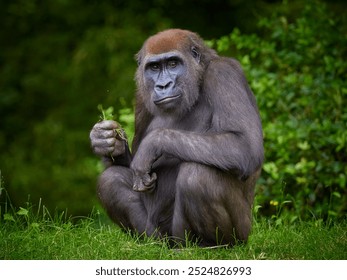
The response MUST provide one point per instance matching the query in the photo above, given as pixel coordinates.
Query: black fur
(195, 161)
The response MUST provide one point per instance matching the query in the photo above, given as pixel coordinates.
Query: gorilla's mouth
(166, 100)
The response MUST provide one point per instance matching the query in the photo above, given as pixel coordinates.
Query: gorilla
(197, 150)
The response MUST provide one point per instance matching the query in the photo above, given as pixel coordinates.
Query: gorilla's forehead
(166, 41)
(149, 58)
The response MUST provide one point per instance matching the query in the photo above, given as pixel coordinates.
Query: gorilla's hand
(145, 182)
(148, 152)
(108, 139)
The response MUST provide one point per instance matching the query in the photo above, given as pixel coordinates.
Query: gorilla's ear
(196, 54)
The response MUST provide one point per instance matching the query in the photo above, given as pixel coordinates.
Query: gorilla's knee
(192, 178)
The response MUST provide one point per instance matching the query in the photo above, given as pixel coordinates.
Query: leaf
(286, 202)
(106, 114)
(22, 211)
(337, 194)
(278, 222)
(256, 208)
(121, 133)
(8, 217)
(304, 146)
(35, 225)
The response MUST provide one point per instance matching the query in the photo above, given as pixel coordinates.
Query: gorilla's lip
(166, 100)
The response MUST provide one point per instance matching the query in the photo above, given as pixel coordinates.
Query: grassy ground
(25, 237)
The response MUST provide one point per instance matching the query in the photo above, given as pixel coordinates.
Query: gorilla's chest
(199, 119)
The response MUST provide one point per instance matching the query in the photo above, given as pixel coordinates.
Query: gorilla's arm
(226, 151)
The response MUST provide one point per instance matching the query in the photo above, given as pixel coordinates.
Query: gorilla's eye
(172, 63)
(154, 66)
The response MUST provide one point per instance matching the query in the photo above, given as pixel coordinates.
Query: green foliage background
(60, 59)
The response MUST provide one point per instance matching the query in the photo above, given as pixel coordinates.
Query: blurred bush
(59, 60)
(297, 71)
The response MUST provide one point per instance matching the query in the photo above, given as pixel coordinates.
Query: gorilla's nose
(164, 85)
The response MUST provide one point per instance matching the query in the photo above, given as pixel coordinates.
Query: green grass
(24, 235)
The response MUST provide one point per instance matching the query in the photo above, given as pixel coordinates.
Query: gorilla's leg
(123, 205)
(211, 205)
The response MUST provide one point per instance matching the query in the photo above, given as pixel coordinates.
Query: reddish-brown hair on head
(183, 41)
(169, 40)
